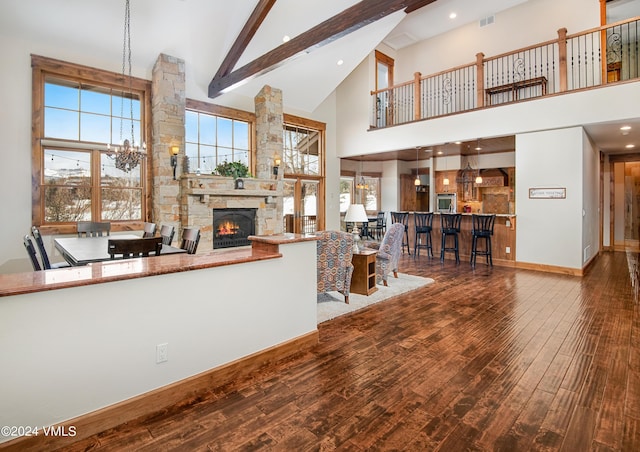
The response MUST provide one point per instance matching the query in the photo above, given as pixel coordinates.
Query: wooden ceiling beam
(244, 38)
(351, 19)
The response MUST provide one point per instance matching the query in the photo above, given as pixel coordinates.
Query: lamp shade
(356, 214)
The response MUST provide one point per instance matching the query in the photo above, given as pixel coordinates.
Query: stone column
(269, 127)
(168, 111)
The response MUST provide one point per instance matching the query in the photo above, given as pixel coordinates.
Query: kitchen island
(503, 240)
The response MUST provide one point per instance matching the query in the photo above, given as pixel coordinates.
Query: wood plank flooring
(491, 359)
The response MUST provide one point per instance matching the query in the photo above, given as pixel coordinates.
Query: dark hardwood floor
(487, 359)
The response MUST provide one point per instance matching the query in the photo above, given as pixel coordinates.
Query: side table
(363, 281)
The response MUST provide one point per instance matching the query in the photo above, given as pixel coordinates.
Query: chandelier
(127, 156)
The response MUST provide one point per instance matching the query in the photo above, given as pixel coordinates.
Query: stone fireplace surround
(201, 194)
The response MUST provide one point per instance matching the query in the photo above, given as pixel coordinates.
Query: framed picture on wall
(547, 193)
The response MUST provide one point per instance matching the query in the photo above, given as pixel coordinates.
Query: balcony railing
(591, 58)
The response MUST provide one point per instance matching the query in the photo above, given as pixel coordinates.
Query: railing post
(562, 55)
(417, 99)
(480, 79)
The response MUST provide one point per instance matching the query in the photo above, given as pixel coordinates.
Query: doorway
(301, 205)
(626, 206)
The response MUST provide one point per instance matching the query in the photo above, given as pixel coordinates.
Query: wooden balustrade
(569, 62)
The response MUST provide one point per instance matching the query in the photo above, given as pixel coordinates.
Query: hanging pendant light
(478, 177)
(127, 156)
(445, 181)
(416, 182)
(361, 185)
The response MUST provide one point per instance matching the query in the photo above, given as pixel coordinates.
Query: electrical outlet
(162, 353)
(508, 250)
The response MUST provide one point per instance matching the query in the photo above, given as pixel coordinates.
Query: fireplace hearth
(232, 227)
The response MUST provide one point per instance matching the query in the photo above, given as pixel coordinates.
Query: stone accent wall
(202, 194)
(168, 111)
(269, 123)
(190, 200)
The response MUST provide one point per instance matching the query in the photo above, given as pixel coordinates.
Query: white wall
(550, 231)
(72, 351)
(529, 23)
(590, 199)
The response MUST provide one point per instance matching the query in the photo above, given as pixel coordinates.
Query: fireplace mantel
(201, 193)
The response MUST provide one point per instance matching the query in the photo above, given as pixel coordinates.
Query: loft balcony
(589, 59)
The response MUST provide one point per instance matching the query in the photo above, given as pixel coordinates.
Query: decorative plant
(232, 169)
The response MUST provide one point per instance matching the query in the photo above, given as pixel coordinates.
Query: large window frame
(44, 69)
(300, 178)
(225, 113)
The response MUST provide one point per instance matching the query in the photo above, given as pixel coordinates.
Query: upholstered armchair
(335, 249)
(389, 251)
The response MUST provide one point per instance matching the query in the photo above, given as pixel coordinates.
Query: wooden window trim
(230, 113)
(387, 61)
(43, 67)
(322, 128)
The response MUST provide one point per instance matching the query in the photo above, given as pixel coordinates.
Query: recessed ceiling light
(285, 38)
(625, 128)
(630, 146)
(340, 62)
(453, 16)
(478, 148)
(458, 142)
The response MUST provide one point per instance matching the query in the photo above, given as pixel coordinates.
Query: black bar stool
(424, 225)
(482, 229)
(402, 218)
(450, 226)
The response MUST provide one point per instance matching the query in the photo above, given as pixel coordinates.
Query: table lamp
(356, 214)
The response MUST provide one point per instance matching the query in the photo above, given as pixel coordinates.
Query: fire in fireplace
(231, 227)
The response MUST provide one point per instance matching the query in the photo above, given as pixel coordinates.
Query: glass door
(300, 207)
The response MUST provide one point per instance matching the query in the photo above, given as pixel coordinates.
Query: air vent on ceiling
(487, 20)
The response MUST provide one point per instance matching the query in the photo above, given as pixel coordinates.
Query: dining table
(85, 250)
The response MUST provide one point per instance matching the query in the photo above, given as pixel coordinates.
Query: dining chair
(31, 250)
(149, 230)
(46, 263)
(190, 239)
(381, 224)
(167, 233)
(128, 248)
(93, 228)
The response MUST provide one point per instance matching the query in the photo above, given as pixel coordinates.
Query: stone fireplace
(203, 197)
(231, 227)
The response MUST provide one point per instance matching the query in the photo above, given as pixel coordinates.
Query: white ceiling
(202, 31)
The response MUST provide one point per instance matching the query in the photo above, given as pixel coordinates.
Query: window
(384, 71)
(303, 165)
(78, 113)
(216, 134)
(360, 189)
(301, 148)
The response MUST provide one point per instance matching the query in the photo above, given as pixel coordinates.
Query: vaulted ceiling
(202, 32)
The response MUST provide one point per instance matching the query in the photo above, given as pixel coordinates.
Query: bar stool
(424, 225)
(482, 229)
(450, 226)
(402, 218)
(381, 225)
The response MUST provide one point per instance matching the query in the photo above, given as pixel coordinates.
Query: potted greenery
(237, 170)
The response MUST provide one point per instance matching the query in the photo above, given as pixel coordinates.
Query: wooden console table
(515, 86)
(363, 281)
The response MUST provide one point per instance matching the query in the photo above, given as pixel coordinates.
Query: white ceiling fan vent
(487, 20)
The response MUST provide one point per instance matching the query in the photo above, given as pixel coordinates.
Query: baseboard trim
(158, 399)
(550, 269)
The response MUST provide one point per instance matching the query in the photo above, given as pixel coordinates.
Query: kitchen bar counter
(503, 240)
